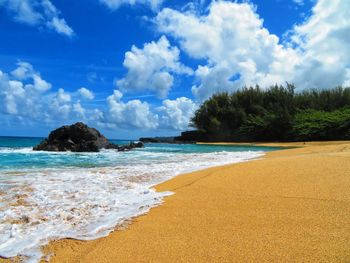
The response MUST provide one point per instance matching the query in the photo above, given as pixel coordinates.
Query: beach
(47, 196)
(291, 205)
(174, 131)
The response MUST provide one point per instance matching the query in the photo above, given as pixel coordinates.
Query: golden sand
(291, 206)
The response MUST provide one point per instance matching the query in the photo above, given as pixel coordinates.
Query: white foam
(86, 203)
(28, 150)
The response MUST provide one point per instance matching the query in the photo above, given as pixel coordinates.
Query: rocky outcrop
(174, 140)
(157, 140)
(130, 146)
(77, 138)
(192, 136)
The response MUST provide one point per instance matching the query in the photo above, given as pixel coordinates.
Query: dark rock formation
(192, 136)
(186, 137)
(157, 140)
(76, 138)
(130, 146)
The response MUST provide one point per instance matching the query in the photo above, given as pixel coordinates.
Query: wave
(87, 203)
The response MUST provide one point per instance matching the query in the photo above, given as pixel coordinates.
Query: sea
(47, 196)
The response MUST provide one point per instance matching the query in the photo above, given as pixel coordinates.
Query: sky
(133, 68)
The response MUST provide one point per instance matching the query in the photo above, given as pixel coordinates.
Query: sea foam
(40, 205)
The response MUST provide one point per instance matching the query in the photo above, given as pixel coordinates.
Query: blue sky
(141, 68)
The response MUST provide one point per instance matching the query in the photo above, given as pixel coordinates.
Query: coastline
(287, 145)
(292, 205)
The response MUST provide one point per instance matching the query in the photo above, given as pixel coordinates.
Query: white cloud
(172, 115)
(62, 96)
(23, 11)
(211, 80)
(152, 68)
(132, 114)
(10, 91)
(40, 13)
(25, 96)
(60, 25)
(97, 116)
(240, 51)
(79, 110)
(232, 39)
(40, 84)
(115, 4)
(23, 71)
(176, 114)
(86, 93)
(324, 39)
(15, 96)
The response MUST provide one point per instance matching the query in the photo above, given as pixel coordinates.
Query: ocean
(46, 195)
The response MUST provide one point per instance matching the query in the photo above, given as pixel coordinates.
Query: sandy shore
(291, 206)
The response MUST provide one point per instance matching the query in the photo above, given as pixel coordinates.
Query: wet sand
(291, 206)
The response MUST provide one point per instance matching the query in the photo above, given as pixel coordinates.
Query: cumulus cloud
(151, 68)
(240, 51)
(79, 110)
(229, 42)
(132, 114)
(232, 39)
(23, 71)
(172, 115)
(40, 13)
(86, 93)
(40, 84)
(25, 95)
(10, 91)
(176, 114)
(62, 96)
(115, 4)
(18, 98)
(324, 40)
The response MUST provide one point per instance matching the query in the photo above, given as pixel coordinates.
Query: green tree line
(278, 113)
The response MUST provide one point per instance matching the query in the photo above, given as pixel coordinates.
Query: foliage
(278, 113)
(321, 125)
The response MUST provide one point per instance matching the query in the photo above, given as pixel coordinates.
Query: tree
(277, 113)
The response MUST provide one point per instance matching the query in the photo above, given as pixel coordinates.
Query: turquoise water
(47, 195)
(16, 153)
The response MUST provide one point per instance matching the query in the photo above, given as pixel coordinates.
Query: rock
(174, 140)
(130, 146)
(76, 138)
(124, 148)
(157, 140)
(193, 136)
(137, 144)
(149, 140)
